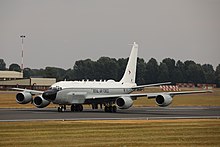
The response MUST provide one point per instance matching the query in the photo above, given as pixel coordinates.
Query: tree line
(106, 68)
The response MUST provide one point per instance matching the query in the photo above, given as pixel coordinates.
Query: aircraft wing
(148, 95)
(29, 91)
(151, 85)
(154, 95)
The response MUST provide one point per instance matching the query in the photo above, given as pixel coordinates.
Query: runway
(146, 113)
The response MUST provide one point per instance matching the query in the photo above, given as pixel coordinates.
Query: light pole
(22, 52)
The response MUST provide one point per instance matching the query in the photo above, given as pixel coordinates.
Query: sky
(60, 32)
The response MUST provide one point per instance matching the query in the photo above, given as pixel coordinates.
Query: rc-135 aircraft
(109, 93)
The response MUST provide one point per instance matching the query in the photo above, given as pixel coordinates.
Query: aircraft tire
(114, 109)
(110, 109)
(72, 108)
(106, 109)
(79, 108)
(62, 109)
(94, 106)
(58, 109)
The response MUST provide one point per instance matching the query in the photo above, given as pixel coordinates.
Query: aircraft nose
(50, 95)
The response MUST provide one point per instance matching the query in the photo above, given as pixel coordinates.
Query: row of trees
(111, 68)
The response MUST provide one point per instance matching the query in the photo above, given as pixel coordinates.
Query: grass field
(111, 133)
(7, 100)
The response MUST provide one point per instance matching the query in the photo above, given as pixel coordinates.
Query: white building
(11, 79)
(9, 75)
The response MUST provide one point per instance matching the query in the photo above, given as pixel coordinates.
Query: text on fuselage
(100, 90)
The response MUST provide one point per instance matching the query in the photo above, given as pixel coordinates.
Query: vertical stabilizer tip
(135, 44)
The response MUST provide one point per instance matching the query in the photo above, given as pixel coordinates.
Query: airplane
(109, 93)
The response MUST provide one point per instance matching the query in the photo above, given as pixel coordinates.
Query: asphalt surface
(149, 113)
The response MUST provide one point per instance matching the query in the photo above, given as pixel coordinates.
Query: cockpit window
(55, 88)
(58, 88)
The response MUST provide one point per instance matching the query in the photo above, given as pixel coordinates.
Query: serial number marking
(100, 90)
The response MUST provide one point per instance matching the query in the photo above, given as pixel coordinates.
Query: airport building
(12, 79)
(10, 75)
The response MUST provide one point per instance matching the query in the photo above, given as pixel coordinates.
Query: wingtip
(210, 91)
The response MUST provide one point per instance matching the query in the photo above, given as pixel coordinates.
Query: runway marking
(173, 110)
(43, 112)
(203, 108)
(180, 107)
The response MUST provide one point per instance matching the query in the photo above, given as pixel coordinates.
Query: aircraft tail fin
(130, 71)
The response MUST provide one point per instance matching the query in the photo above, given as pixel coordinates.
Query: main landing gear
(110, 108)
(73, 108)
(77, 108)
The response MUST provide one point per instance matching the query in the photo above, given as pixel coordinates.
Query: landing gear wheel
(106, 108)
(77, 108)
(114, 109)
(80, 108)
(61, 108)
(94, 106)
(72, 108)
(110, 109)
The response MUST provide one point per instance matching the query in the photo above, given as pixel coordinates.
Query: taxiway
(149, 113)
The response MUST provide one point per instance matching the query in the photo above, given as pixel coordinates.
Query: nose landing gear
(61, 108)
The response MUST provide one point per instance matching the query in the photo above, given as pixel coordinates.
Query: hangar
(11, 79)
(9, 75)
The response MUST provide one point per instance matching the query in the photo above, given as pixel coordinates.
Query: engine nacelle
(164, 100)
(40, 102)
(124, 102)
(23, 97)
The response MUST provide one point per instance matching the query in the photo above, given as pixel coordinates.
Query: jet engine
(40, 102)
(124, 102)
(23, 97)
(164, 100)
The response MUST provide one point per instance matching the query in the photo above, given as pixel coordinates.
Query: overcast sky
(60, 32)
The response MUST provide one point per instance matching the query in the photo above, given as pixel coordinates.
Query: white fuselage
(89, 88)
